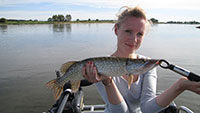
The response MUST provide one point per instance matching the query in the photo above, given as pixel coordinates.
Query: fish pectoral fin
(75, 84)
(65, 66)
(130, 80)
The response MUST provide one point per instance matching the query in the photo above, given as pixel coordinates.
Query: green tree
(68, 17)
(153, 20)
(50, 19)
(3, 20)
(61, 18)
(55, 17)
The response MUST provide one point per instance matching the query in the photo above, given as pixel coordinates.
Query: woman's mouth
(130, 45)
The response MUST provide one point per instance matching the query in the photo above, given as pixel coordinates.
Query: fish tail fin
(58, 89)
(75, 84)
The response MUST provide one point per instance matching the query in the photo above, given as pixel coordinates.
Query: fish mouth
(152, 63)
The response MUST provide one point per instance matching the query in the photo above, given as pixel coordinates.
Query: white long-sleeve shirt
(140, 97)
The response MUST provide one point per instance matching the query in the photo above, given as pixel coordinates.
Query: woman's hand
(185, 84)
(176, 89)
(91, 74)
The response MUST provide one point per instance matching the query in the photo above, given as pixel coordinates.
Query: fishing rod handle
(191, 76)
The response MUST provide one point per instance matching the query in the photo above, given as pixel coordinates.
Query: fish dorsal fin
(130, 80)
(65, 66)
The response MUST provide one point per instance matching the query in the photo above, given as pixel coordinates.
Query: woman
(130, 29)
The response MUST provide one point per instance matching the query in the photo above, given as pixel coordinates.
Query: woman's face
(130, 34)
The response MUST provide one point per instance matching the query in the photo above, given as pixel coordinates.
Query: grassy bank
(81, 21)
(24, 22)
(47, 22)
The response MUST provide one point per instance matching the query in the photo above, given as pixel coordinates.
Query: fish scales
(107, 66)
(110, 66)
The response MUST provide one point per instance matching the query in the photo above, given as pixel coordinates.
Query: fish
(109, 66)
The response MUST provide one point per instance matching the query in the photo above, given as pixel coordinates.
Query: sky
(163, 10)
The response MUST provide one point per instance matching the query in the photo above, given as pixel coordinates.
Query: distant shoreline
(100, 21)
(48, 22)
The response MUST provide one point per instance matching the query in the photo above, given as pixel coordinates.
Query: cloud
(44, 15)
(152, 4)
(175, 4)
(91, 3)
(101, 9)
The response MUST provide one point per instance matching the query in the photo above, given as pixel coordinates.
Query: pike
(110, 66)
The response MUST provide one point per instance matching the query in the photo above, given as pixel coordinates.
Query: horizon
(41, 10)
(93, 20)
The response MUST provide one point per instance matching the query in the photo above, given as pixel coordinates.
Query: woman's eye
(140, 34)
(127, 31)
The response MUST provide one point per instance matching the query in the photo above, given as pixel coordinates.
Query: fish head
(140, 66)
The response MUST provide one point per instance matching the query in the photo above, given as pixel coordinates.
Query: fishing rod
(190, 75)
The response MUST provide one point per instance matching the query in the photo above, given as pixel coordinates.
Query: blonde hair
(126, 12)
(130, 12)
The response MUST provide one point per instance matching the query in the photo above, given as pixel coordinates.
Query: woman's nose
(133, 37)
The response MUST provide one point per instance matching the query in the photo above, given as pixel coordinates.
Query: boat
(74, 103)
(198, 27)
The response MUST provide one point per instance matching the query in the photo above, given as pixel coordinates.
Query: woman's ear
(115, 29)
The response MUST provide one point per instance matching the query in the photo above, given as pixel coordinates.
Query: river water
(30, 54)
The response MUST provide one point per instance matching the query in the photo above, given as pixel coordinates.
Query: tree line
(68, 18)
(155, 21)
(3, 20)
(179, 22)
(60, 18)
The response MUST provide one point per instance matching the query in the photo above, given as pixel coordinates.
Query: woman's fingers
(84, 72)
(95, 73)
(191, 85)
(90, 72)
(196, 87)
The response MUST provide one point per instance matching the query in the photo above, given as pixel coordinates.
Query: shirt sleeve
(111, 108)
(148, 94)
